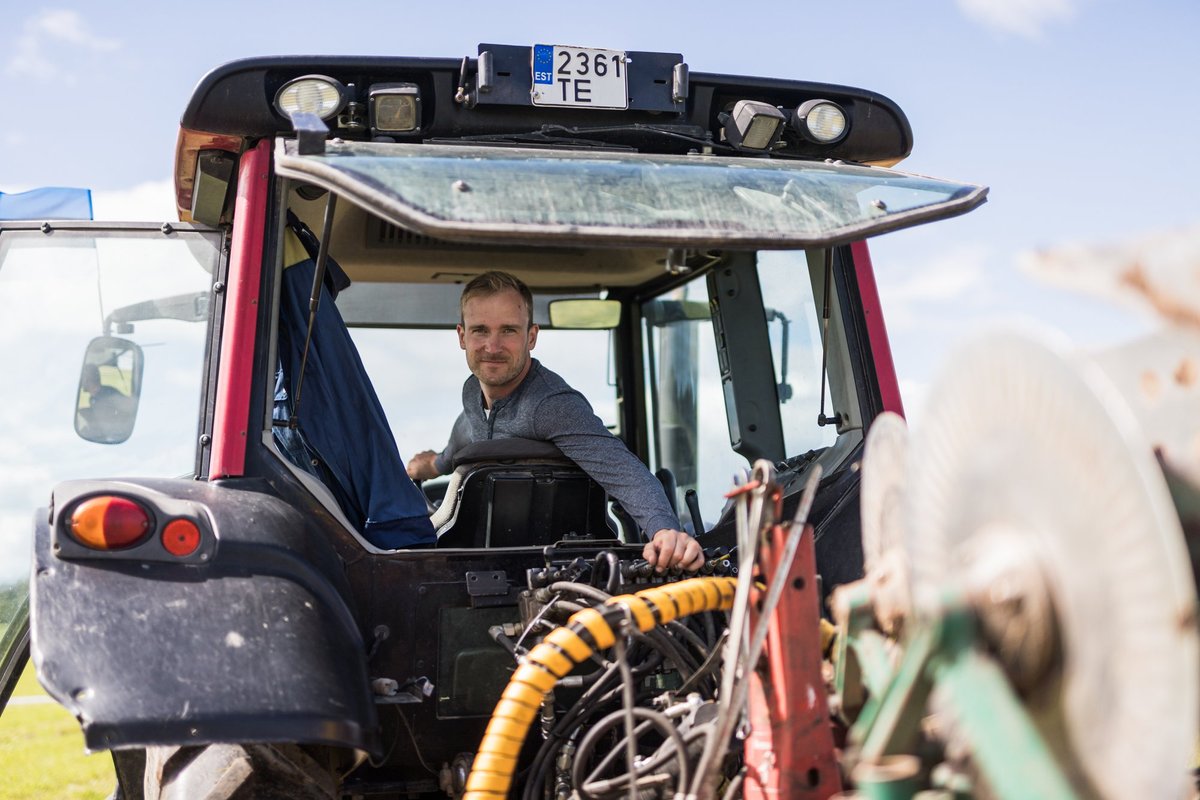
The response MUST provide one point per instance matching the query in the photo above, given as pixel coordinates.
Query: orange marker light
(181, 537)
(109, 523)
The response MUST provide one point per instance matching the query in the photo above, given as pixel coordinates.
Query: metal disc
(884, 476)
(1021, 444)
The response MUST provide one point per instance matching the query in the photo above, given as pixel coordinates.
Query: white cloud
(153, 201)
(35, 53)
(910, 296)
(1027, 18)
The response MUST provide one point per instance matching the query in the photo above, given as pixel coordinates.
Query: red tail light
(109, 523)
(181, 537)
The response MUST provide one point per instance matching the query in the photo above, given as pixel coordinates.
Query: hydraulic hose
(563, 648)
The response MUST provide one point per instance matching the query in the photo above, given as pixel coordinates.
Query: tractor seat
(517, 493)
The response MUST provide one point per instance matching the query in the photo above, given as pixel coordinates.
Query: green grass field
(41, 751)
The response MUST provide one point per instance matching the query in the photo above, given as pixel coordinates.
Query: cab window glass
(793, 315)
(60, 293)
(685, 405)
(421, 390)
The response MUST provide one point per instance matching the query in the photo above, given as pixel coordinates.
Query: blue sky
(1081, 115)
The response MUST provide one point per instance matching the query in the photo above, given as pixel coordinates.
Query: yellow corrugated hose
(562, 649)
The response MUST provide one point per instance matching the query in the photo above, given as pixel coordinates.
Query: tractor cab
(695, 247)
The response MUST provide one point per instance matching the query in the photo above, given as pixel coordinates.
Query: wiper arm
(540, 137)
(619, 137)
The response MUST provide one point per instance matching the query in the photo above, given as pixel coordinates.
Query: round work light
(314, 94)
(820, 121)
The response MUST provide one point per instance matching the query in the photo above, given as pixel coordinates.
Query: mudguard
(251, 639)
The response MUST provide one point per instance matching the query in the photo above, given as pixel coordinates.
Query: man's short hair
(494, 282)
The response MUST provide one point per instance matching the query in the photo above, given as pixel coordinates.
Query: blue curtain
(341, 424)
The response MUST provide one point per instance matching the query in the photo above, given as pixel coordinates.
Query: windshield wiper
(541, 138)
(615, 137)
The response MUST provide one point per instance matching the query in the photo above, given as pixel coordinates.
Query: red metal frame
(789, 753)
(232, 412)
(881, 350)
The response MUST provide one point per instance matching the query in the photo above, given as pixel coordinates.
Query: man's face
(497, 338)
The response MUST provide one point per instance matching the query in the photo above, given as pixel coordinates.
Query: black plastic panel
(237, 99)
(256, 644)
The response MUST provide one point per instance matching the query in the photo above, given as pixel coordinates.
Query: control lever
(693, 505)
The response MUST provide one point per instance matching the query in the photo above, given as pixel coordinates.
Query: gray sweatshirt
(544, 407)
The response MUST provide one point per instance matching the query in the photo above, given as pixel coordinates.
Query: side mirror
(110, 385)
(583, 313)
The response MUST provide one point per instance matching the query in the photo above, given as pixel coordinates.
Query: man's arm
(428, 464)
(568, 421)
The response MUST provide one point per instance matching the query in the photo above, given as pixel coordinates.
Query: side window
(59, 294)
(684, 402)
(793, 311)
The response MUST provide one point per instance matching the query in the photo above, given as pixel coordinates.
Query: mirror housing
(110, 386)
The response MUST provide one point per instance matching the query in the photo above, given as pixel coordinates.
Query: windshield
(458, 192)
(61, 291)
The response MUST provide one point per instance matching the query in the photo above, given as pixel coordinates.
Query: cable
(580, 590)
(594, 701)
(588, 788)
(586, 632)
(710, 630)
(734, 790)
(627, 703)
(685, 665)
(714, 658)
(612, 583)
(392, 747)
(536, 620)
(669, 750)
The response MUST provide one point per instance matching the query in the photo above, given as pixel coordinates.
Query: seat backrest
(518, 492)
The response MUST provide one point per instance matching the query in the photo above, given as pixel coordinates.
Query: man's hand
(421, 466)
(671, 548)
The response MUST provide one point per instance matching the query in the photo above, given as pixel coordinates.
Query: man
(510, 394)
(108, 416)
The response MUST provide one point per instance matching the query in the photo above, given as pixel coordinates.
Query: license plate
(579, 77)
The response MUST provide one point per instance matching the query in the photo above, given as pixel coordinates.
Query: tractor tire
(236, 772)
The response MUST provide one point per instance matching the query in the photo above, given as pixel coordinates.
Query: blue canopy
(52, 202)
(342, 434)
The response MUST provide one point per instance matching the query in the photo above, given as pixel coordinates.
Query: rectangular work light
(395, 108)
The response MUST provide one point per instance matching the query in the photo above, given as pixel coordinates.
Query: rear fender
(254, 642)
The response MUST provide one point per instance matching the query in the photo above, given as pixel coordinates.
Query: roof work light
(313, 94)
(752, 125)
(395, 108)
(820, 121)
